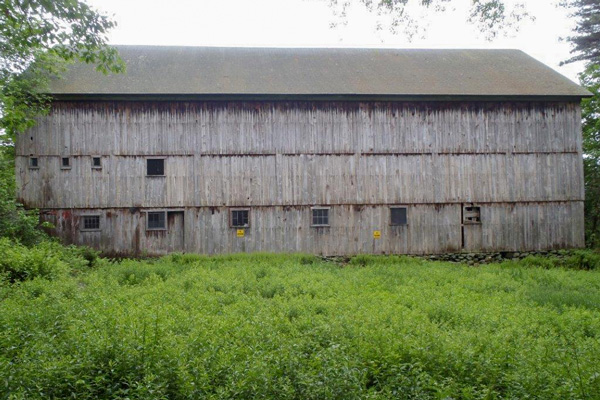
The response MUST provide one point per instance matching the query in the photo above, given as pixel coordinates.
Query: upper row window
(155, 166)
(65, 163)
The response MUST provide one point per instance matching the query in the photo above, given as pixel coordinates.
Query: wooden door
(175, 231)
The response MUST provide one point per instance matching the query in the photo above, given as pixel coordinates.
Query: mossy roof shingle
(165, 71)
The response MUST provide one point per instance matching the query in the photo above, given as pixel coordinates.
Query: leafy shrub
(271, 326)
(579, 259)
(184, 258)
(15, 222)
(47, 259)
(583, 259)
(363, 260)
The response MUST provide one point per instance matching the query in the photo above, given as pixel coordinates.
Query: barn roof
(213, 72)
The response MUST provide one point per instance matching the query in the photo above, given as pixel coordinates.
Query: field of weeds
(299, 327)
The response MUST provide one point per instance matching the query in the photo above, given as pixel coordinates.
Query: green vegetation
(38, 38)
(15, 222)
(269, 326)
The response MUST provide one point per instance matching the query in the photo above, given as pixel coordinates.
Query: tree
(586, 41)
(590, 109)
(37, 37)
(491, 16)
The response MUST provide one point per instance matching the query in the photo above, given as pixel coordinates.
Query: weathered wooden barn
(328, 151)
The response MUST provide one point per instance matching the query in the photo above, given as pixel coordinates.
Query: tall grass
(298, 327)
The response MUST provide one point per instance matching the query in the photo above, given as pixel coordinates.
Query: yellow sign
(376, 234)
(241, 233)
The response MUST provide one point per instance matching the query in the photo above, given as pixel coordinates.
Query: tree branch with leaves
(492, 17)
(37, 38)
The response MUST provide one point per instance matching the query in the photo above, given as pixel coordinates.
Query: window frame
(312, 217)
(62, 162)
(37, 163)
(164, 168)
(235, 209)
(99, 159)
(164, 212)
(475, 212)
(406, 215)
(82, 227)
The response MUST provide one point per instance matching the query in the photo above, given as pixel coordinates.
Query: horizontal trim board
(395, 154)
(243, 206)
(309, 97)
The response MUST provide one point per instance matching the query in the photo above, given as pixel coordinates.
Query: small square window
(33, 162)
(91, 223)
(96, 162)
(65, 163)
(398, 216)
(155, 166)
(157, 220)
(320, 217)
(471, 215)
(240, 218)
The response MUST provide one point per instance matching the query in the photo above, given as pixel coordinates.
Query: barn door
(176, 231)
(471, 227)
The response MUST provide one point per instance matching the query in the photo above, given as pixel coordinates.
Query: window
(157, 220)
(155, 166)
(471, 215)
(90, 223)
(240, 218)
(398, 216)
(96, 162)
(65, 163)
(33, 162)
(320, 216)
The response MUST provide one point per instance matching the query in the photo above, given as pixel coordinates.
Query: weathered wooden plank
(431, 229)
(520, 161)
(303, 180)
(137, 128)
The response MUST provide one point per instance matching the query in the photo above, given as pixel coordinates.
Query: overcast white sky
(306, 23)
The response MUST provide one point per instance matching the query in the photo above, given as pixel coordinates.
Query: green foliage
(586, 41)
(492, 17)
(590, 109)
(276, 326)
(38, 37)
(47, 259)
(15, 222)
(586, 260)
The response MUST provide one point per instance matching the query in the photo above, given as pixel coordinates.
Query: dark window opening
(91, 223)
(33, 162)
(157, 220)
(240, 218)
(65, 162)
(398, 216)
(155, 166)
(320, 217)
(472, 215)
(96, 162)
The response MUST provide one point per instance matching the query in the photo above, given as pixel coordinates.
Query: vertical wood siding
(194, 181)
(431, 229)
(521, 162)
